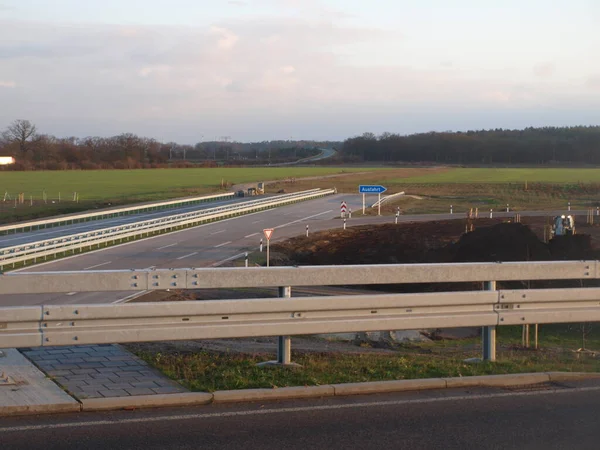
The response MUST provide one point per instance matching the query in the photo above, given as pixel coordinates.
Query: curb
(23, 410)
(332, 390)
(146, 401)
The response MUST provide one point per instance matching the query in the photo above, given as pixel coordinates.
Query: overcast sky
(191, 70)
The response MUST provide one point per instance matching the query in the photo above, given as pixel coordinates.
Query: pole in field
(268, 233)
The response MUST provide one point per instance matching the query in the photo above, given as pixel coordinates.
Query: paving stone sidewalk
(96, 371)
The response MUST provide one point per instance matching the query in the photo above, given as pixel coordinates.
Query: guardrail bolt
(76, 312)
(75, 338)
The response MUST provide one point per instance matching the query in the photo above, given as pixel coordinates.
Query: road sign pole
(364, 204)
(379, 203)
(268, 240)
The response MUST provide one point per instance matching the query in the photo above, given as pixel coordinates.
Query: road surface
(65, 230)
(478, 418)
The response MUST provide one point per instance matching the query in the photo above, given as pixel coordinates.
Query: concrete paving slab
(116, 373)
(31, 392)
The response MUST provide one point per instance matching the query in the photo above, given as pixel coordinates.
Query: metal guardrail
(94, 324)
(106, 214)
(50, 247)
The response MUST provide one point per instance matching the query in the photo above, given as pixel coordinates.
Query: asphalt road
(65, 230)
(480, 418)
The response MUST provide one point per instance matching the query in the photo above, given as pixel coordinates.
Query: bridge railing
(49, 325)
(109, 213)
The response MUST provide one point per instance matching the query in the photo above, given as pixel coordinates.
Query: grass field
(152, 184)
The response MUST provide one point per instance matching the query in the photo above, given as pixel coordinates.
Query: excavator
(563, 226)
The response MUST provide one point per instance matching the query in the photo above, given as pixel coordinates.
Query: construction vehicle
(563, 226)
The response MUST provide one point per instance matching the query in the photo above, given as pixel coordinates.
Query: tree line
(547, 145)
(36, 151)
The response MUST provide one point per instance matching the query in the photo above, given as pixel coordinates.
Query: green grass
(508, 176)
(151, 184)
(210, 371)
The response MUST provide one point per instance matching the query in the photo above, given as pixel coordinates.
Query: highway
(564, 417)
(64, 230)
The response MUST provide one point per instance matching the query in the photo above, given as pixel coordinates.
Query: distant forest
(34, 151)
(548, 145)
(531, 146)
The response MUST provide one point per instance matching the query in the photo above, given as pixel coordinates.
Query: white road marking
(299, 409)
(167, 246)
(305, 218)
(257, 221)
(217, 232)
(97, 265)
(185, 256)
(72, 293)
(239, 255)
(250, 235)
(224, 243)
(130, 297)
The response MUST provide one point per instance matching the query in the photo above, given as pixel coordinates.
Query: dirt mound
(501, 242)
(575, 247)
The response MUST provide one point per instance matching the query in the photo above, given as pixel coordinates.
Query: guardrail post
(284, 344)
(488, 334)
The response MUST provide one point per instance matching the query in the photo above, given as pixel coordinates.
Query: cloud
(248, 78)
(593, 82)
(544, 70)
(7, 84)
(237, 3)
(227, 39)
(150, 70)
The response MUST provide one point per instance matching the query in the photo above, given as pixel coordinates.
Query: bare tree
(20, 131)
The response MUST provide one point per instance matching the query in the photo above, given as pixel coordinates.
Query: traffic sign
(371, 189)
(268, 232)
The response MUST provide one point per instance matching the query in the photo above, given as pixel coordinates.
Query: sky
(197, 70)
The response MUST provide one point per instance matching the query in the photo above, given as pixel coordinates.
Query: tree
(20, 131)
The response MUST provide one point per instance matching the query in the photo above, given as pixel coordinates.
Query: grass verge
(211, 371)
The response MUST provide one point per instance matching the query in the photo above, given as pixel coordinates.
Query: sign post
(268, 233)
(372, 189)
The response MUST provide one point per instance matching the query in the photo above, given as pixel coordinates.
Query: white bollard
(246, 259)
(569, 206)
(349, 213)
(344, 224)
(261, 245)
(306, 230)
(507, 207)
(491, 213)
(450, 209)
(598, 210)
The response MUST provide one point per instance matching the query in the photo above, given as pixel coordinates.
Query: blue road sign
(368, 189)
